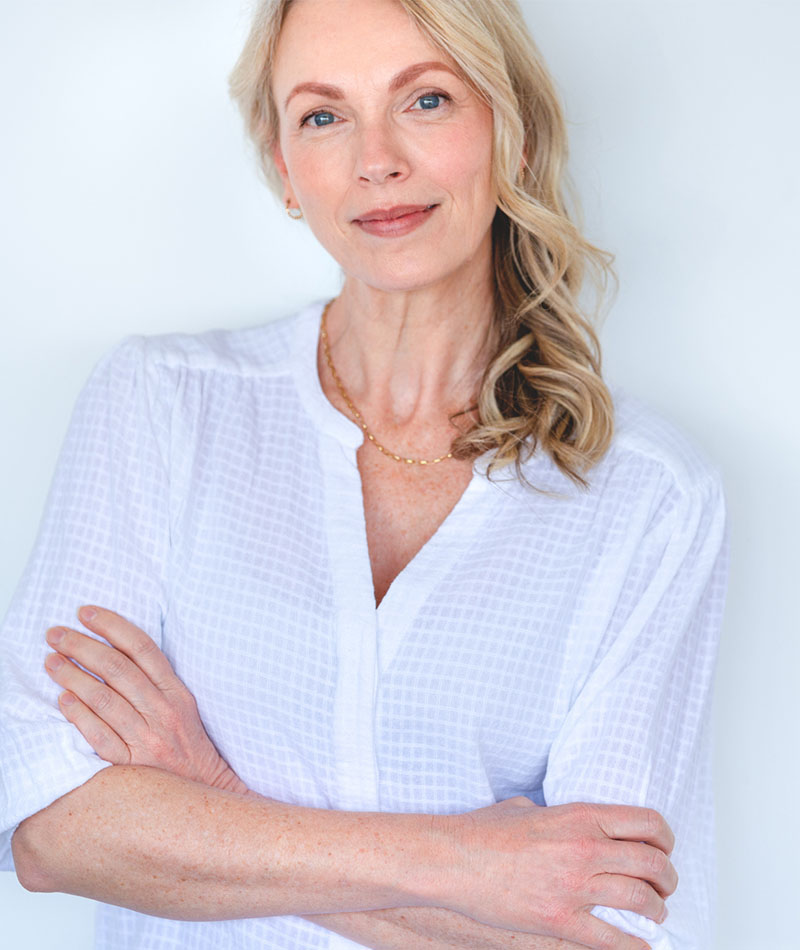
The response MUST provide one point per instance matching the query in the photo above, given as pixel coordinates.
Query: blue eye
(320, 119)
(431, 101)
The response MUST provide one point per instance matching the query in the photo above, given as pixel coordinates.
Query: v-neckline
(414, 583)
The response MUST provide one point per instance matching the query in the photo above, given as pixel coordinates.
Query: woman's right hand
(517, 865)
(543, 869)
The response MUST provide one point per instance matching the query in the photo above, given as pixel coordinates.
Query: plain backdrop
(130, 204)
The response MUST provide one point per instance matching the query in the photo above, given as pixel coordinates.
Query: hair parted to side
(543, 387)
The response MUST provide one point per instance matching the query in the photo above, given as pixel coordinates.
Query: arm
(145, 702)
(435, 929)
(164, 845)
(638, 730)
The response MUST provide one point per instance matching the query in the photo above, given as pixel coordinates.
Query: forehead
(358, 43)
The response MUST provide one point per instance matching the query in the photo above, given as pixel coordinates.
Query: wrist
(438, 866)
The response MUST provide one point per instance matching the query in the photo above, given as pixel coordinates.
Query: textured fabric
(558, 646)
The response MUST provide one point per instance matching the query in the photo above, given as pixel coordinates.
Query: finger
(100, 736)
(599, 935)
(133, 642)
(635, 859)
(104, 702)
(630, 823)
(629, 893)
(110, 664)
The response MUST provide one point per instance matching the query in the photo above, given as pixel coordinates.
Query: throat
(404, 506)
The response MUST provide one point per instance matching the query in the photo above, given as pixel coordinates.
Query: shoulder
(265, 350)
(643, 439)
(652, 460)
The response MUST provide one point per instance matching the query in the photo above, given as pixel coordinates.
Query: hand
(523, 868)
(134, 710)
(542, 870)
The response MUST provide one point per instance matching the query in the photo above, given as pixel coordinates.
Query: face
(386, 150)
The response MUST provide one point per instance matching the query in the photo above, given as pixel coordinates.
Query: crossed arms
(170, 830)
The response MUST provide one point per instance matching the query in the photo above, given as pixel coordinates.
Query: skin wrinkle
(412, 325)
(391, 329)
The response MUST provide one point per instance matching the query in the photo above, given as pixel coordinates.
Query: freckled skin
(379, 148)
(403, 508)
(184, 847)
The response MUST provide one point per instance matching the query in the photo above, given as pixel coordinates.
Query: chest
(467, 666)
(404, 505)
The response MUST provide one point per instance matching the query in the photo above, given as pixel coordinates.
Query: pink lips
(394, 222)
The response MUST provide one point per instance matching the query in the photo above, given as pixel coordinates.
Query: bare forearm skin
(148, 840)
(432, 928)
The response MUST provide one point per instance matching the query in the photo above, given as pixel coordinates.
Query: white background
(130, 205)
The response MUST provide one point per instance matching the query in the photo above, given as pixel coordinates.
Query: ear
(280, 164)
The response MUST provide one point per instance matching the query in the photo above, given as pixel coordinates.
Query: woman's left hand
(134, 710)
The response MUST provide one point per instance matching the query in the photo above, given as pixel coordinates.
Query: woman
(398, 660)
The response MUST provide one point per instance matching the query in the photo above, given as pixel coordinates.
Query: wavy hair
(543, 386)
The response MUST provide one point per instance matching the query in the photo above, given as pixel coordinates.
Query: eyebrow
(403, 78)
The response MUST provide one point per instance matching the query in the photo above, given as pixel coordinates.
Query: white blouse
(557, 645)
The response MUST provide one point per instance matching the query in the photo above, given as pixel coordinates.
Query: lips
(392, 214)
(394, 222)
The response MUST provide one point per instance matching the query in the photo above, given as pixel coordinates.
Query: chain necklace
(355, 413)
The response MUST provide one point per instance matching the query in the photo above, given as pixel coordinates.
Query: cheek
(464, 166)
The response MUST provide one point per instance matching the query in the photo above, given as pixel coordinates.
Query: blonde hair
(543, 386)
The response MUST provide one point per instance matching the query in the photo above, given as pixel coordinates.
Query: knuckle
(518, 801)
(114, 666)
(102, 699)
(144, 646)
(97, 740)
(659, 862)
(654, 823)
(638, 896)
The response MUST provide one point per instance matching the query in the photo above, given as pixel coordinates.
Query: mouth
(393, 214)
(394, 222)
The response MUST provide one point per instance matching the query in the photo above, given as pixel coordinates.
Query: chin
(398, 276)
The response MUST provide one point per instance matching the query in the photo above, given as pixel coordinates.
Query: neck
(412, 358)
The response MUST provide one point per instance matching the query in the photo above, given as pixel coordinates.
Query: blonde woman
(419, 625)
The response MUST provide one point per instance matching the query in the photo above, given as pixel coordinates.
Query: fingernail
(87, 613)
(664, 916)
(54, 662)
(55, 635)
(66, 699)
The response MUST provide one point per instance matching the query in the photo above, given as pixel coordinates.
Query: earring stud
(294, 213)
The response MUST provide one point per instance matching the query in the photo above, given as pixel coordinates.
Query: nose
(380, 157)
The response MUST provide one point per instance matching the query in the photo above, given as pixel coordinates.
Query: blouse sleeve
(638, 731)
(103, 539)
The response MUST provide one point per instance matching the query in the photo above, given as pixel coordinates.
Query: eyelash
(304, 122)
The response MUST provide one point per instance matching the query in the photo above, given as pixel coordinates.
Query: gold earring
(294, 213)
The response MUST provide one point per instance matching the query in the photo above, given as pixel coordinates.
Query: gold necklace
(355, 413)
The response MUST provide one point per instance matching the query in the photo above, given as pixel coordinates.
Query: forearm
(432, 928)
(151, 841)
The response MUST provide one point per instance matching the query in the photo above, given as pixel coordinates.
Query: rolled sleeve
(103, 539)
(638, 732)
